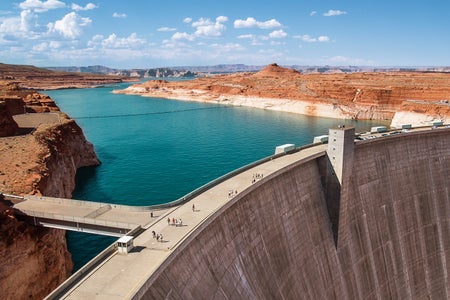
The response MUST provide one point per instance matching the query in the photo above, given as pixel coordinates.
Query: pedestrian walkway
(120, 276)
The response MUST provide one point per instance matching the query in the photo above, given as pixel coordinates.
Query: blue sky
(148, 34)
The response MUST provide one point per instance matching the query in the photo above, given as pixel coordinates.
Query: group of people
(175, 222)
(232, 193)
(257, 176)
(158, 237)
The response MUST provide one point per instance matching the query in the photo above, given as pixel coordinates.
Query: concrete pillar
(340, 151)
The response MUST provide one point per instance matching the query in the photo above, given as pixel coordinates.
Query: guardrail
(75, 220)
(13, 198)
(74, 279)
(94, 263)
(227, 176)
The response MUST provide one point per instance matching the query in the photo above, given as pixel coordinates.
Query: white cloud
(227, 47)
(70, 26)
(26, 18)
(88, 6)
(276, 43)
(41, 6)
(221, 19)
(254, 40)
(165, 29)
(309, 39)
(246, 36)
(277, 34)
(323, 38)
(213, 30)
(202, 22)
(251, 22)
(306, 38)
(130, 42)
(183, 36)
(21, 26)
(333, 12)
(120, 16)
(206, 28)
(313, 13)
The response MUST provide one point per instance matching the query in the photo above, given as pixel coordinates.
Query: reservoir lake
(156, 150)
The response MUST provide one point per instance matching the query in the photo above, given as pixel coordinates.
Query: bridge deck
(120, 276)
(85, 216)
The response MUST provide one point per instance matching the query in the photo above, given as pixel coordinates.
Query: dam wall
(394, 225)
(275, 239)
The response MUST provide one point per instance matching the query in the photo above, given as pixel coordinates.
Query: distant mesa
(274, 70)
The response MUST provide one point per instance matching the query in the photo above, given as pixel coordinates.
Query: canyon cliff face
(31, 77)
(44, 162)
(7, 124)
(375, 96)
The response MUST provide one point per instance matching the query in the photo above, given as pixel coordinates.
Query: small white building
(320, 139)
(125, 244)
(378, 129)
(437, 123)
(284, 148)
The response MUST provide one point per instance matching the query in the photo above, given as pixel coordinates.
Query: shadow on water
(85, 181)
(85, 246)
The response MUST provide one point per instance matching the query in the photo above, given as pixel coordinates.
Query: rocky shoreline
(370, 96)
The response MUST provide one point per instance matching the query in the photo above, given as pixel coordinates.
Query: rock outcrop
(44, 162)
(375, 96)
(7, 124)
(31, 77)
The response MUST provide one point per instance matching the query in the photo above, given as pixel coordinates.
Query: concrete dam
(384, 233)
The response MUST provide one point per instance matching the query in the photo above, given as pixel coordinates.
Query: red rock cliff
(376, 95)
(36, 260)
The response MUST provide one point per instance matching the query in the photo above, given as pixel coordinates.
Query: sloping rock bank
(44, 162)
(417, 97)
(31, 77)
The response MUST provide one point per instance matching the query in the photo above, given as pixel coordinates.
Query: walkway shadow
(137, 249)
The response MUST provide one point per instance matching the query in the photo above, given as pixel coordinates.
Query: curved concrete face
(275, 241)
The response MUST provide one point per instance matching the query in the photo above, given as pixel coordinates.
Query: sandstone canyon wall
(417, 97)
(34, 260)
(274, 241)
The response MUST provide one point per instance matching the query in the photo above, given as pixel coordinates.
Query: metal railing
(74, 219)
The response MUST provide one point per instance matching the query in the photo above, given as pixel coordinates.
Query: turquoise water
(157, 150)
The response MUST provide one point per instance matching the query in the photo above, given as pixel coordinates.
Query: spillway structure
(368, 220)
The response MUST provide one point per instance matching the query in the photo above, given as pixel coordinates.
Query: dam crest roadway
(114, 276)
